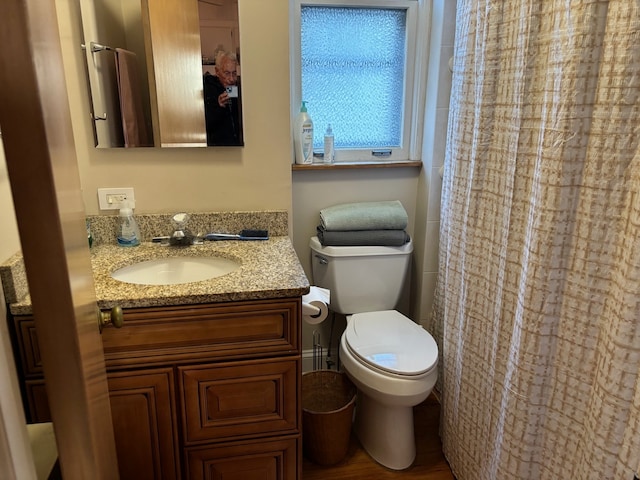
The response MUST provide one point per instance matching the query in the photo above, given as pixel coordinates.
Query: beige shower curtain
(538, 302)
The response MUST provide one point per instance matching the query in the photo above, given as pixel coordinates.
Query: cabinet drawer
(213, 331)
(273, 460)
(239, 400)
(171, 334)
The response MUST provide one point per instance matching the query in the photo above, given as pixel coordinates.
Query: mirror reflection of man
(222, 106)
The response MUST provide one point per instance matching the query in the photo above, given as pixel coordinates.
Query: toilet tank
(361, 279)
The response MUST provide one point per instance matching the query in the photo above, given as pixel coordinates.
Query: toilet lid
(390, 341)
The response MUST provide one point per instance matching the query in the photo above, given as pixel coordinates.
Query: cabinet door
(268, 460)
(143, 412)
(172, 36)
(37, 402)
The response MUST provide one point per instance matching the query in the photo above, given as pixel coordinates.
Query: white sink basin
(175, 270)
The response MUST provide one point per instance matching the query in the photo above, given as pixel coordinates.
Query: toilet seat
(390, 342)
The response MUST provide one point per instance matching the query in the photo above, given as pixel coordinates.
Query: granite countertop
(268, 269)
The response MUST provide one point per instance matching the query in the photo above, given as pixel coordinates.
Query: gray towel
(387, 238)
(388, 215)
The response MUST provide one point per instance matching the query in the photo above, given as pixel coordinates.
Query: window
(357, 66)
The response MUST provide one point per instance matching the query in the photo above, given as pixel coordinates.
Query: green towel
(387, 215)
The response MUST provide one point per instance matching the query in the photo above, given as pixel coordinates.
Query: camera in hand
(232, 91)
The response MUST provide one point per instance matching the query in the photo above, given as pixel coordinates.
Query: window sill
(354, 165)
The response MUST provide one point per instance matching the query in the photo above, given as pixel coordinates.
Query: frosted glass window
(353, 74)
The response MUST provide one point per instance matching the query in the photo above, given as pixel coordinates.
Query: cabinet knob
(113, 317)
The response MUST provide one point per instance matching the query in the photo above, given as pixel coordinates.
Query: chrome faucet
(181, 236)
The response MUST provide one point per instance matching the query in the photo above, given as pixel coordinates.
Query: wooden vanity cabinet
(197, 391)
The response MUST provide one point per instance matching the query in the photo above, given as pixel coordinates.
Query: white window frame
(418, 14)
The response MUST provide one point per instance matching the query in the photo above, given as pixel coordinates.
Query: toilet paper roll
(315, 305)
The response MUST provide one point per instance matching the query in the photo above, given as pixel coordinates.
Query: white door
(41, 161)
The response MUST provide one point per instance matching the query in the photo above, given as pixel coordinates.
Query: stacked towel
(365, 223)
(391, 238)
(389, 215)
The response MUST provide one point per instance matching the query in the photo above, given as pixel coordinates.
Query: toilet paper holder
(315, 305)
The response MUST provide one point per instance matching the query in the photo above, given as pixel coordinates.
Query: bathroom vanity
(204, 378)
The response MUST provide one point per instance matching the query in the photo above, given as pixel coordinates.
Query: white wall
(433, 154)
(10, 243)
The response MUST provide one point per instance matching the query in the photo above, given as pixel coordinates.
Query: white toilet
(391, 359)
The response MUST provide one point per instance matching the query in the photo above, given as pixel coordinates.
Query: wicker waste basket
(328, 400)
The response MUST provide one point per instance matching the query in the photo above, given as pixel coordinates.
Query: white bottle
(303, 137)
(329, 152)
(128, 231)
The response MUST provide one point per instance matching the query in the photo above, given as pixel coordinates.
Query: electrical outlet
(115, 198)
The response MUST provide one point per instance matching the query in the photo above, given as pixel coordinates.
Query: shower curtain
(537, 309)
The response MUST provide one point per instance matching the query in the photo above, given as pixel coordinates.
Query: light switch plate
(115, 198)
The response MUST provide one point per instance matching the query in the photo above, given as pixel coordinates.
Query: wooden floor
(430, 463)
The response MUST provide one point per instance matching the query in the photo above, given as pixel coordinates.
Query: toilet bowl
(392, 361)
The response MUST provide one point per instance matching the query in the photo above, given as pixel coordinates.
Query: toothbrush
(243, 235)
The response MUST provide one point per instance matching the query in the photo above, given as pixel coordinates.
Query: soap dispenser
(128, 231)
(303, 136)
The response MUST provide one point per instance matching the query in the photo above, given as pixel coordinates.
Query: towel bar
(97, 47)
